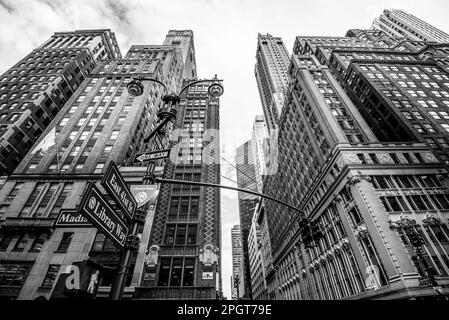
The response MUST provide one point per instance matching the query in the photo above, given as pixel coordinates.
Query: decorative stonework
(152, 255)
(350, 158)
(354, 180)
(431, 220)
(361, 232)
(385, 158)
(429, 157)
(208, 255)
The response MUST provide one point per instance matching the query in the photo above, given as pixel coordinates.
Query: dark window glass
(439, 234)
(194, 206)
(192, 233)
(38, 242)
(176, 272)
(164, 272)
(21, 243)
(355, 215)
(170, 235)
(184, 209)
(65, 242)
(51, 275)
(181, 235)
(189, 272)
(13, 274)
(174, 204)
(4, 243)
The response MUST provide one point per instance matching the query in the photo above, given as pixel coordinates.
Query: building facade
(398, 23)
(246, 179)
(271, 70)
(237, 253)
(332, 174)
(34, 90)
(100, 123)
(184, 259)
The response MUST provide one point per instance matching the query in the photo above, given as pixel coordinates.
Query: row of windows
(406, 182)
(40, 202)
(37, 242)
(416, 203)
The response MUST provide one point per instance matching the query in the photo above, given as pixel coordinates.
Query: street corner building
(363, 142)
(80, 120)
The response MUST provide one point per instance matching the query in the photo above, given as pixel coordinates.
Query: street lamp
(169, 111)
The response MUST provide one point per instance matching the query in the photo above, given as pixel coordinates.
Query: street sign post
(98, 211)
(115, 185)
(152, 156)
(71, 219)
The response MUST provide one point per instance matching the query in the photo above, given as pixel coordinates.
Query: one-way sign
(152, 156)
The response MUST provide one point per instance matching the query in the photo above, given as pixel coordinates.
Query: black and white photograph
(226, 158)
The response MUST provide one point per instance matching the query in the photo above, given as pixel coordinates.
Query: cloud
(7, 6)
(119, 10)
(225, 43)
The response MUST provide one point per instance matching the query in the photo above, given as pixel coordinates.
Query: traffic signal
(316, 230)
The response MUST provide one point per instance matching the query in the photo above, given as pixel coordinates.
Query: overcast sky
(225, 34)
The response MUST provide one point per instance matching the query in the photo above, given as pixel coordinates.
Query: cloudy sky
(225, 40)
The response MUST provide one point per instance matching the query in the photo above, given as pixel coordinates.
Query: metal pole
(119, 284)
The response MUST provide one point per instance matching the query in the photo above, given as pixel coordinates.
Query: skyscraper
(237, 253)
(246, 179)
(185, 238)
(100, 123)
(272, 61)
(259, 137)
(351, 181)
(34, 90)
(183, 39)
(398, 23)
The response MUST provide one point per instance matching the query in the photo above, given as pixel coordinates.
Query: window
(21, 243)
(114, 135)
(355, 216)
(60, 200)
(51, 275)
(99, 168)
(14, 274)
(65, 242)
(26, 210)
(38, 242)
(394, 204)
(46, 200)
(176, 272)
(5, 242)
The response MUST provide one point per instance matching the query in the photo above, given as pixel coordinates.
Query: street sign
(115, 185)
(153, 156)
(98, 211)
(71, 219)
(144, 194)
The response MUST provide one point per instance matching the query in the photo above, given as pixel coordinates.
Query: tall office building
(100, 123)
(272, 61)
(34, 90)
(183, 39)
(357, 185)
(256, 260)
(258, 139)
(398, 23)
(237, 253)
(184, 258)
(246, 179)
